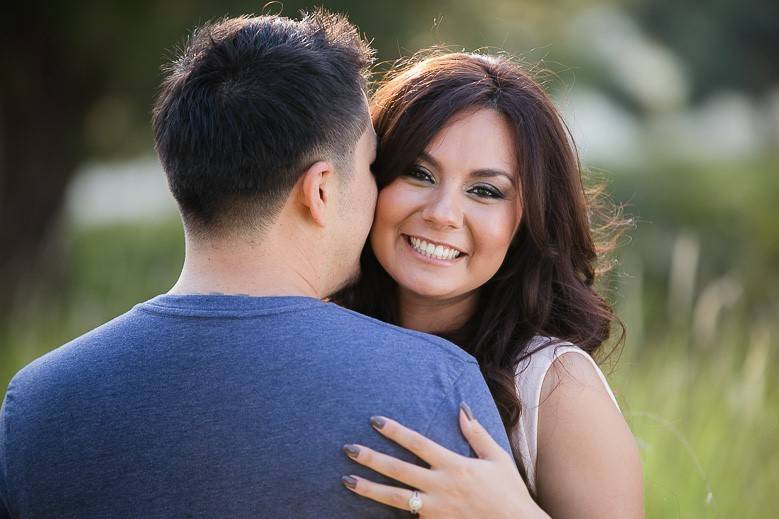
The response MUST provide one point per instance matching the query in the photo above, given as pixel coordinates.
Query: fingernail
(467, 411)
(378, 421)
(349, 481)
(351, 450)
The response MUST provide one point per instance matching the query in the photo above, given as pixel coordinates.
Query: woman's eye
(420, 173)
(486, 191)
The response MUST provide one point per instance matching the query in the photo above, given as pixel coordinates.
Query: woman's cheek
(493, 233)
(390, 210)
(392, 202)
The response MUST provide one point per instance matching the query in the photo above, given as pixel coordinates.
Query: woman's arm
(587, 463)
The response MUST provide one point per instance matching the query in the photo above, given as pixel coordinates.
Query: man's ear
(315, 190)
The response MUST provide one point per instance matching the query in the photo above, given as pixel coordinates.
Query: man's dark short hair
(249, 104)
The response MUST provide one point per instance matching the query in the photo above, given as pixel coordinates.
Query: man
(233, 394)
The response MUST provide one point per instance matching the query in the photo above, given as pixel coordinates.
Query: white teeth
(432, 250)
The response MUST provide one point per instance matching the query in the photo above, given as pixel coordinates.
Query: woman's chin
(427, 290)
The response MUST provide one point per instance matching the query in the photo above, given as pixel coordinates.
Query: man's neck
(242, 267)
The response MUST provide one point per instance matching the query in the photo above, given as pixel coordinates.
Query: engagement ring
(415, 503)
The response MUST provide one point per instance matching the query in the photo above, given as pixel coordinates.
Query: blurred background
(675, 104)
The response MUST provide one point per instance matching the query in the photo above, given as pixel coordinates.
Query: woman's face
(442, 229)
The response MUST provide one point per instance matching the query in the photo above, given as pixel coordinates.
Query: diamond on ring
(415, 502)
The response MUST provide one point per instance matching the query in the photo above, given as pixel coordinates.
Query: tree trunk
(42, 107)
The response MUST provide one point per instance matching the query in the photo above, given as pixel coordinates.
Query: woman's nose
(443, 210)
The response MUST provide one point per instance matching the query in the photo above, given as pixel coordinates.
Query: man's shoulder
(62, 363)
(374, 329)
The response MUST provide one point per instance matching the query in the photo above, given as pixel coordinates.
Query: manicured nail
(349, 481)
(378, 421)
(351, 450)
(467, 411)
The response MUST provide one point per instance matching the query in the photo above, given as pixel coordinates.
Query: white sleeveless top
(529, 378)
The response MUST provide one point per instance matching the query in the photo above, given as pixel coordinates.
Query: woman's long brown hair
(545, 285)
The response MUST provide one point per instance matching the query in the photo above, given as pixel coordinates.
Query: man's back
(203, 406)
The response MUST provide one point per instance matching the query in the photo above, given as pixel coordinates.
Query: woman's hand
(454, 485)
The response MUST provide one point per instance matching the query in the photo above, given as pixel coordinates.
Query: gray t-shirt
(225, 406)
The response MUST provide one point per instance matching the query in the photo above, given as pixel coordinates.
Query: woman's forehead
(479, 139)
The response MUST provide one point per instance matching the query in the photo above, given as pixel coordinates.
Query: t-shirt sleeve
(470, 388)
(4, 491)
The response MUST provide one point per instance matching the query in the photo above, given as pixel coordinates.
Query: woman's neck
(430, 315)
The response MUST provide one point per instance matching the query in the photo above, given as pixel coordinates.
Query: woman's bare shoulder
(588, 463)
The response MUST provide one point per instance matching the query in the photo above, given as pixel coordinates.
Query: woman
(482, 235)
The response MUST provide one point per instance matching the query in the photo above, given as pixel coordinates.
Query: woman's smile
(433, 252)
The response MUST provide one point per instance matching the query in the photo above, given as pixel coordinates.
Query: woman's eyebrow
(429, 158)
(490, 173)
(479, 173)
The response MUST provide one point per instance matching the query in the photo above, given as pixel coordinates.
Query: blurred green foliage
(730, 208)
(724, 44)
(122, 44)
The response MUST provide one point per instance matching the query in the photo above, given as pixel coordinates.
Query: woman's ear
(315, 190)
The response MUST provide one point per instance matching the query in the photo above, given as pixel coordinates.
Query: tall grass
(707, 424)
(698, 389)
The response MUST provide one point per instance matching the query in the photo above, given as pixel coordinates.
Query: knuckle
(463, 470)
(398, 498)
(416, 443)
(392, 467)
(435, 508)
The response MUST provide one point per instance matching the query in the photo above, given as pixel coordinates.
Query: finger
(399, 470)
(425, 449)
(385, 494)
(477, 436)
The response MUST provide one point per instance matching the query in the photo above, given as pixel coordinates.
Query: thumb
(477, 436)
